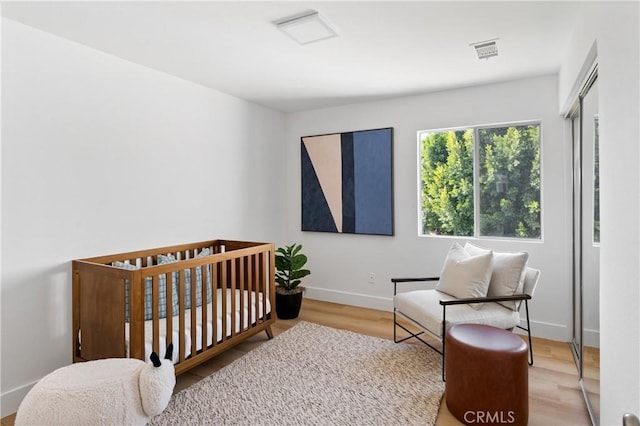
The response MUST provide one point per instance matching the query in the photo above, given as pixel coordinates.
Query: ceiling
(384, 49)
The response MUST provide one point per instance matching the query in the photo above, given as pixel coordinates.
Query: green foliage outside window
(508, 182)
(447, 183)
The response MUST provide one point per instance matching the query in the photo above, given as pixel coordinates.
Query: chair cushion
(508, 274)
(423, 308)
(464, 275)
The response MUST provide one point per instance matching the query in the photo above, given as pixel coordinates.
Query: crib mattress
(248, 317)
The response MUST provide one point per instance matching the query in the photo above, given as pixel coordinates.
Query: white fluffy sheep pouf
(114, 391)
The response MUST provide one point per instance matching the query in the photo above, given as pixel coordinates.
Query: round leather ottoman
(487, 375)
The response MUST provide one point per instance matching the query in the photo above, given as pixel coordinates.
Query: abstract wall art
(347, 182)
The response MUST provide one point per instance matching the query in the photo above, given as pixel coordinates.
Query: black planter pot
(288, 305)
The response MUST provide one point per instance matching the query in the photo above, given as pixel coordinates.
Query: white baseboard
(352, 299)
(544, 330)
(591, 338)
(10, 400)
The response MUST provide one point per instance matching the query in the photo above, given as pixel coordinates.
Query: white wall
(615, 28)
(101, 156)
(340, 263)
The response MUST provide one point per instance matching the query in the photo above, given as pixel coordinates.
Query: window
(481, 181)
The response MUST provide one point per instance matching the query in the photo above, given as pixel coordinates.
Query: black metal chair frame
(444, 304)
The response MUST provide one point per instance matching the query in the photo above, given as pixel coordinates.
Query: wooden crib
(204, 297)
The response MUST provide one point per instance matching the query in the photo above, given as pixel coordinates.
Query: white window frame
(476, 178)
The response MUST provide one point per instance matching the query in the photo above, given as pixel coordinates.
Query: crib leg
(269, 332)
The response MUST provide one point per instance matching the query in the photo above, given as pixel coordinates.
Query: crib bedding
(249, 307)
(162, 342)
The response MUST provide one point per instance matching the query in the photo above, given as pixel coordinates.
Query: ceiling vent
(307, 27)
(486, 49)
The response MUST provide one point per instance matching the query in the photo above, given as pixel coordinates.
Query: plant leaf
(298, 261)
(300, 274)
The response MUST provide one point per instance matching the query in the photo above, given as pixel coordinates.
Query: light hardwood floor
(555, 397)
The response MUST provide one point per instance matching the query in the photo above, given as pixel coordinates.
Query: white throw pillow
(464, 275)
(509, 270)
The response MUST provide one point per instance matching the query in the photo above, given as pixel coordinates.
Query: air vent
(307, 27)
(486, 49)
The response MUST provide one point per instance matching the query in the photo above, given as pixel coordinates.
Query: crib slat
(263, 286)
(136, 317)
(272, 286)
(265, 294)
(232, 289)
(250, 289)
(224, 310)
(194, 312)
(170, 313)
(259, 290)
(214, 302)
(255, 259)
(241, 280)
(156, 313)
(205, 278)
(181, 321)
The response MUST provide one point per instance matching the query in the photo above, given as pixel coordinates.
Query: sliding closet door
(577, 240)
(586, 245)
(591, 249)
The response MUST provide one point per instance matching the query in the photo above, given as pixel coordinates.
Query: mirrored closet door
(586, 244)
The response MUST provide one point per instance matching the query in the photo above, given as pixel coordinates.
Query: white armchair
(476, 286)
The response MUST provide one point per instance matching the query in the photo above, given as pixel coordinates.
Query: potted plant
(289, 273)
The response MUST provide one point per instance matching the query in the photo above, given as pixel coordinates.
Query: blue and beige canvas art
(347, 182)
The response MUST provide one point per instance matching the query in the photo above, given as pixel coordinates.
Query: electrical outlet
(372, 278)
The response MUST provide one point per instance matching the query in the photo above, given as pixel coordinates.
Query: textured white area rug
(316, 375)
